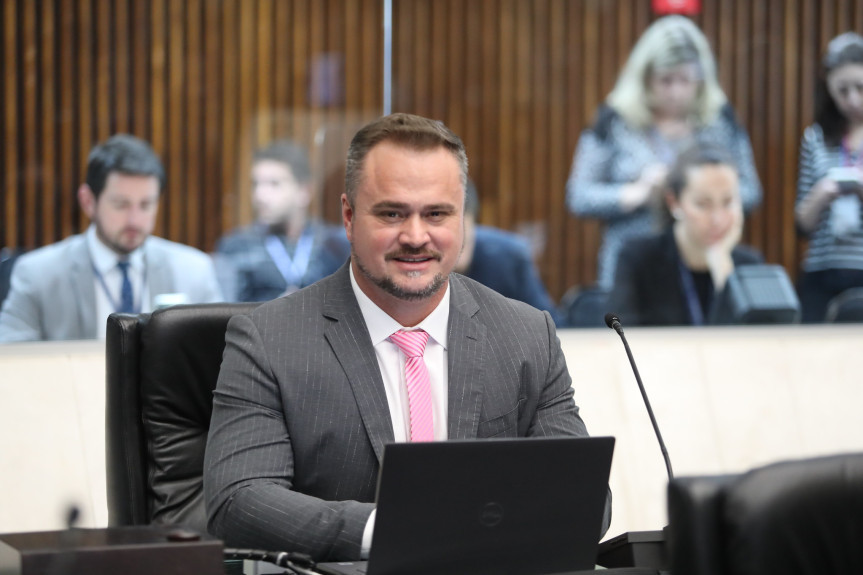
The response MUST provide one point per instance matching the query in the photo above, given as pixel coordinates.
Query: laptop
(526, 506)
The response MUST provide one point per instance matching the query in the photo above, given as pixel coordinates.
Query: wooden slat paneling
(159, 102)
(173, 150)
(48, 105)
(104, 48)
(193, 129)
(207, 82)
(11, 162)
(212, 99)
(122, 68)
(783, 252)
(29, 103)
(535, 102)
(265, 71)
(230, 128)
(68, 174)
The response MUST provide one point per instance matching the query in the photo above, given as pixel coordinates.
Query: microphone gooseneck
(612, 321)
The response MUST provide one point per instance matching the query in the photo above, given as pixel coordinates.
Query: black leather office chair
(847, 307)
(584, 306)
(792, 518)
(160, 374)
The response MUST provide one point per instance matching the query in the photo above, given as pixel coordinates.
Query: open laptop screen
(526, 506)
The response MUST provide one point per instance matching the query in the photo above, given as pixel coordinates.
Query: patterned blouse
(612, 153)
(834, 243)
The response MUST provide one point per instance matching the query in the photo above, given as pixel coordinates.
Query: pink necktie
(413, 343)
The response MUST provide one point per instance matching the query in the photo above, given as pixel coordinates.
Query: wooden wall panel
(205, 81)
(11, 162)
(208, 81)
(547, 64)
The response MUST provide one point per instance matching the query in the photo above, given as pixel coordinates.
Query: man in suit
(284, 249)
(67, 290)
(501, 260)
(313, 385)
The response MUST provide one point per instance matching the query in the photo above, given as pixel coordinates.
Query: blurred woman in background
(673, 278)
(830, 181)
(666, 96)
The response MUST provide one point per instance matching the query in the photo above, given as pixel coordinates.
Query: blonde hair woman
(666, 98)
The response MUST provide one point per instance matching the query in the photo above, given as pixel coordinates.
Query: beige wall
(726, 399)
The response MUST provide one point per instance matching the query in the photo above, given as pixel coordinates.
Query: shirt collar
(381, 325)
(104, 258)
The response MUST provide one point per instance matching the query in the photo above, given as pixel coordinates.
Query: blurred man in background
(67, 290)
(284, 249)
(501, 260)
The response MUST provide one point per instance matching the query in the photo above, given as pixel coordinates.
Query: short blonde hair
(670, 41)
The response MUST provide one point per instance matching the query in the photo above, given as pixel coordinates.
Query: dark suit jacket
(647, 285)
(503, 262)
(250, 274)
(300, 416)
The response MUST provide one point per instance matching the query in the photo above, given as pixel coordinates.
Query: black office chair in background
(584, 306)
(160, 374)
(847, 307)
(802, 517)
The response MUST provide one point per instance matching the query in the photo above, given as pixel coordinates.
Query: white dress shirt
(108, 280)
(391, 361)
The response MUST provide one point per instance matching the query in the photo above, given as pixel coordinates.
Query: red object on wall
(688, 7)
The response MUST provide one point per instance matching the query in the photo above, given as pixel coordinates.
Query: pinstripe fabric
(300, 416)
(413, 344)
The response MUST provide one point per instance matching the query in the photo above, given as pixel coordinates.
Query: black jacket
(648, 289)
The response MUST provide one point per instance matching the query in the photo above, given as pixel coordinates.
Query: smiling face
(406, 226)
(125, 212)
(709, 204)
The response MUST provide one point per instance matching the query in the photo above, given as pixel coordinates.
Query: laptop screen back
(524, 506)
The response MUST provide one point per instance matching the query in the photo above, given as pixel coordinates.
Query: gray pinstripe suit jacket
(300, 416)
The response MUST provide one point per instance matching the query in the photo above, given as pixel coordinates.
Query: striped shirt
(827, 248)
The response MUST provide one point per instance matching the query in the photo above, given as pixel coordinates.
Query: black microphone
(63, 562)
(613, 322)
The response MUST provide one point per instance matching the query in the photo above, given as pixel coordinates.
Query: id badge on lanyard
(293, 269)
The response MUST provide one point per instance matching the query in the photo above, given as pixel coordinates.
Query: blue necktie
(127, 301)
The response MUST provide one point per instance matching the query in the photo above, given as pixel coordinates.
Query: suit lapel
(83, 286)
(466, 352)
(159, 279)
(673, 290)
(349, 338)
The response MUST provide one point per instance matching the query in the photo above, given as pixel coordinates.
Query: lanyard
(696, 314)
(849, 159)
(136, 307)
(292, 268)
